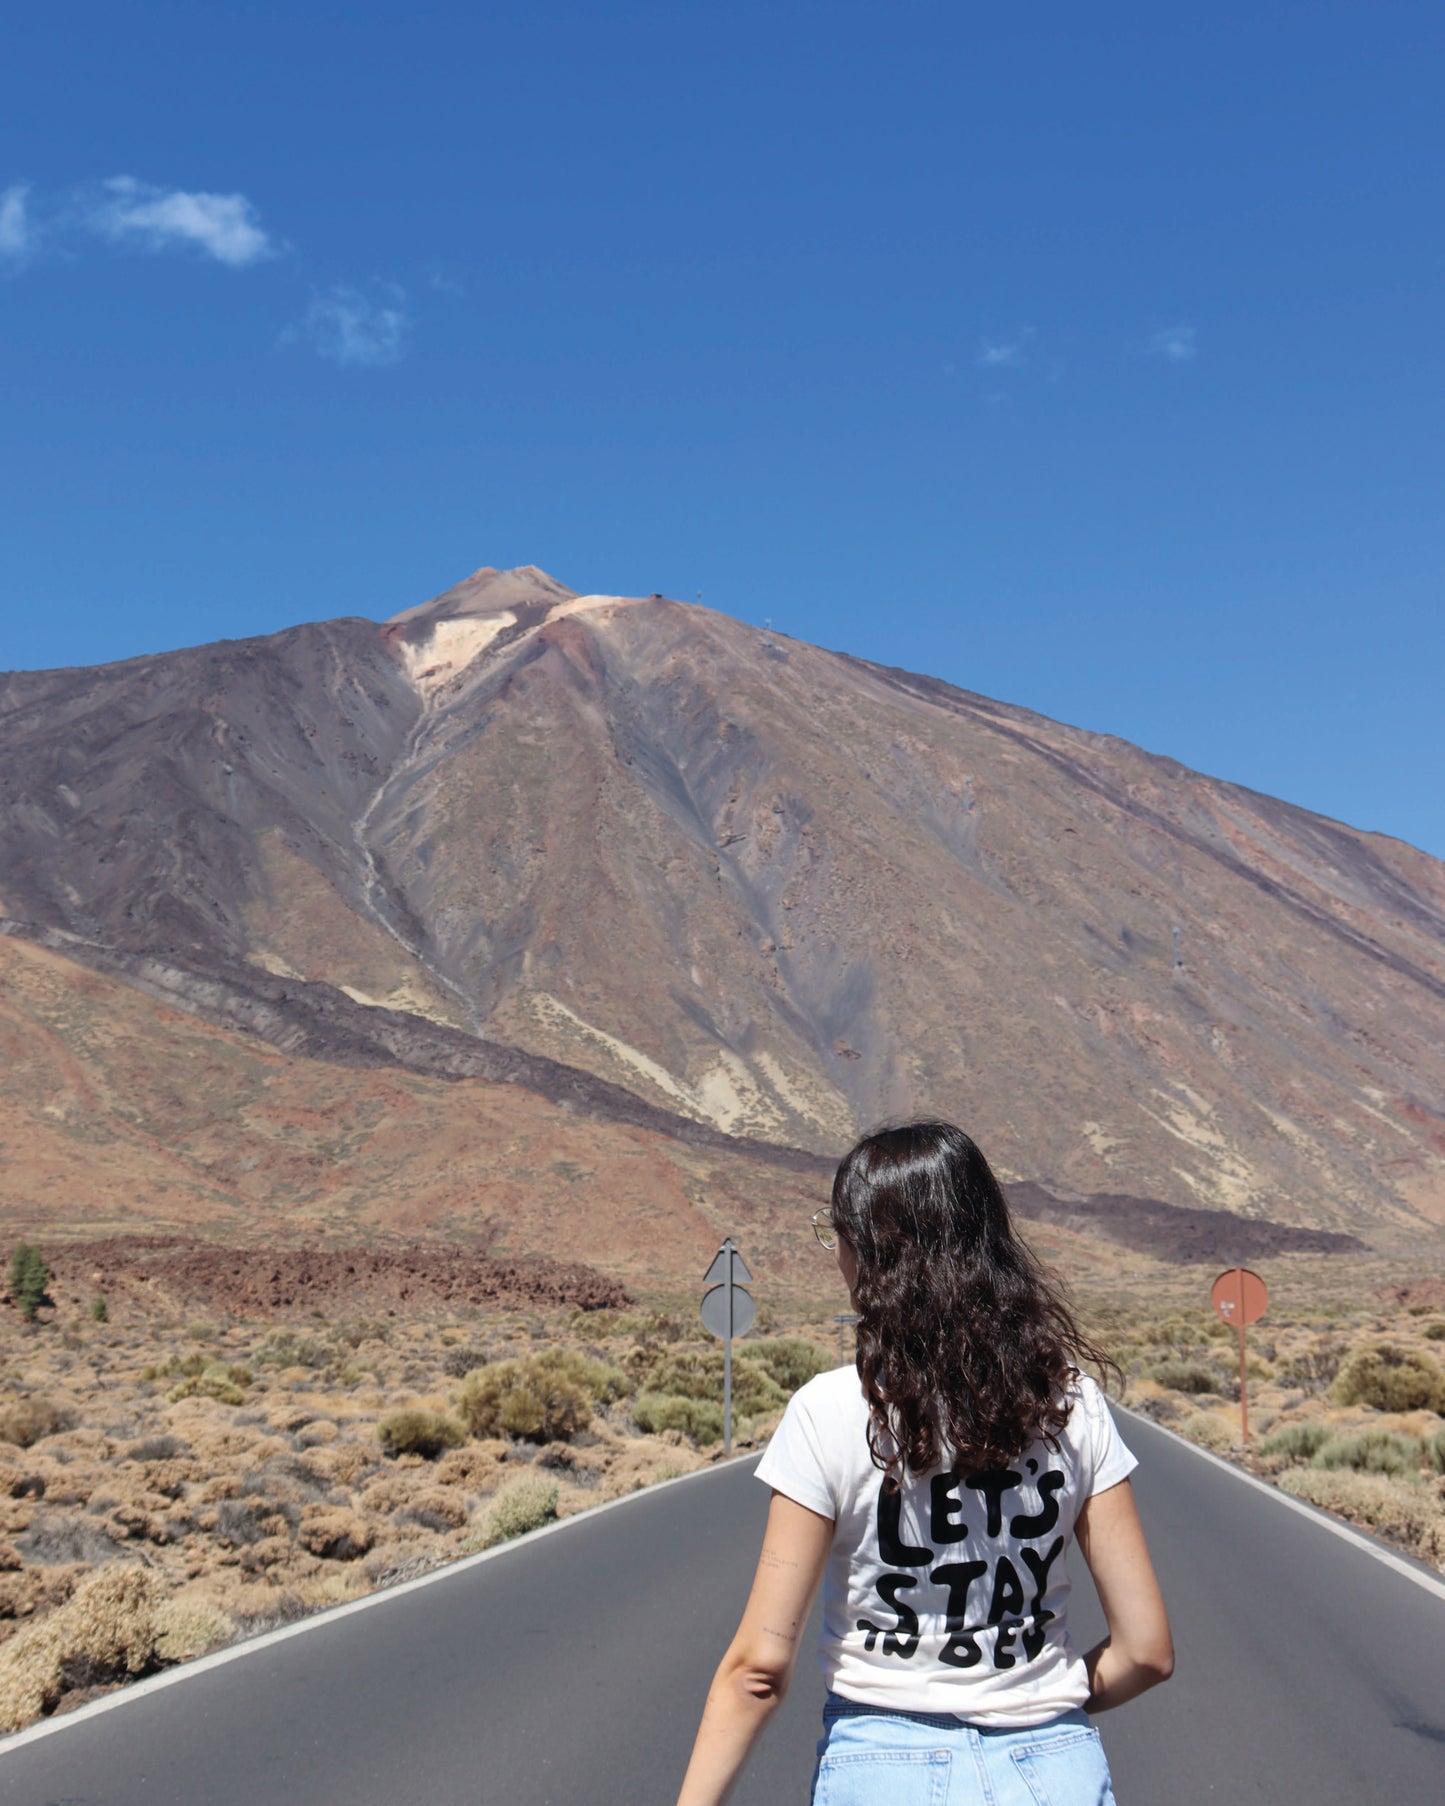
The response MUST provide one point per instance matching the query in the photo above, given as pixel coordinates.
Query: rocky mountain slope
(703, 882)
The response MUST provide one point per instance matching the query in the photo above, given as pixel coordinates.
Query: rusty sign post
(1240, 1297)
(727, 1311)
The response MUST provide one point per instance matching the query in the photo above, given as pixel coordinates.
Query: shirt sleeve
(794, 1462)
(1110, 1459)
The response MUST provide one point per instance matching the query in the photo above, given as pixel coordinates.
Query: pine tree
(29, 1279)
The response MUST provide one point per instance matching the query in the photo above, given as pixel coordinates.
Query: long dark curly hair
(966, 1345)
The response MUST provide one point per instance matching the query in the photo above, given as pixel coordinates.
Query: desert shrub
(52, 1538)
(1373, 1452)
(289, 1348)
(1297, 1440)
(29, 1279)
(1209, 1430)
(1434, 1332)
(105, 1631)
(99, 1311)
(1394, 1508)
(1312, 1368)
(186, 1367)
(789, 1361)
(188, 1627)
(698, 1373)
(239, 1522)
(457, 1363)
(1390, 1378)
(334, 1533)
(636, 1325)
(224, 1383)
(699, 1419)
(1185, 1376)
(544, 1397)
(157, 1448)
(1157, 1407)
(1435, 1449)
(418, 1432)
(24, 1421)
(361, 1329)
(523, 1507)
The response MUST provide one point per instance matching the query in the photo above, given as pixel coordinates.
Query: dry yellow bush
(478, 1466)
(1211, 1430)
(334, 1533)
(189, 1625)
(24, 1421)
(1408, 1514)
(105, 1631)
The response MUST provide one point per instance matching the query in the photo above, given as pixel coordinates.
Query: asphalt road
(572, 1668)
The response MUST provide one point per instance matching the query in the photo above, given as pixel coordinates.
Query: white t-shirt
(946, 1596)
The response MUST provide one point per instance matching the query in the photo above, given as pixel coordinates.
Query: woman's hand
(754, 1674)
(1138, 1651)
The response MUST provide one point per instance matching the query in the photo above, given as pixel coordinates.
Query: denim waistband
(836, 1706)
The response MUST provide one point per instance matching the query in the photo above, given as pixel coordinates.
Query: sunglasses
(824, 1230)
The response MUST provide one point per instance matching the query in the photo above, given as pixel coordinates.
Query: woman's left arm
(753, 1676)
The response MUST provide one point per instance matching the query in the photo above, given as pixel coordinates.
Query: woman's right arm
(1138, 1651)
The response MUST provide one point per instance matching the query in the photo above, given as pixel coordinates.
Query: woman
(939, 1497)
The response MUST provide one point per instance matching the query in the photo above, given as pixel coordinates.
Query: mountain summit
(746, 886)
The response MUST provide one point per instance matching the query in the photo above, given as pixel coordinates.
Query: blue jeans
(870, 1757)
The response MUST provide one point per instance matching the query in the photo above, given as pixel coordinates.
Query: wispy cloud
(1005, 354)
(354, 328)
(223, 226)
(1175, 344)
(15, 229)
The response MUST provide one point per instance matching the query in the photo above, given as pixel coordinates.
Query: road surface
(572, 1668)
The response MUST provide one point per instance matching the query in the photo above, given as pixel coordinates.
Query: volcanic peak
(436, 642)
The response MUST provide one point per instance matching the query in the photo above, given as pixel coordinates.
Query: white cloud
(1007, 354)
(1175, 344)
(15, 232)
(353, 328)
(224, 226)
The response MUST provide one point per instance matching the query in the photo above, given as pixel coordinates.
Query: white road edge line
(184, 1671)
(1315, 1513)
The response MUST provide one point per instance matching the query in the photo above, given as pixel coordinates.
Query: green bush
(100, 1311)
(1185, 1376)
(698, 1373)
(1435, 1449)
(523, 1507)
(699, 1419)
(1434, 1332)
(418, 1432)
(1373, 1452)
(545, 1397)
(1300, 1441)
(29, 1280)
(226, 1384)
(1390, 1378)
(789, 1361)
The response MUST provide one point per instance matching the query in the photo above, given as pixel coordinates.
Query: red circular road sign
(1239, 1296)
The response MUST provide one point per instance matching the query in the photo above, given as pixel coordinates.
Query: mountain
(727, 889)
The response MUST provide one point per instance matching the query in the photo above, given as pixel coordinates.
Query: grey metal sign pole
(727, 1311)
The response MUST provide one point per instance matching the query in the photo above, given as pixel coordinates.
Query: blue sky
(1089, 358)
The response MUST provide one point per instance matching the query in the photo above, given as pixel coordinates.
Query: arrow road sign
(727, 1311)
